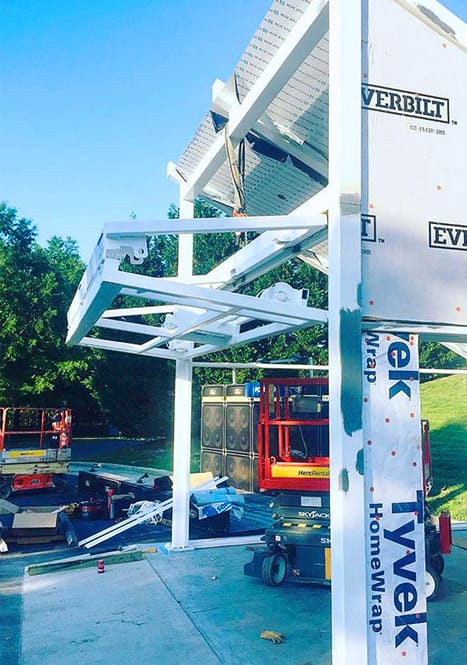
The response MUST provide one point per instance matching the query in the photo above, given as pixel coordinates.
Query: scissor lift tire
(274, 569)
(432, 583)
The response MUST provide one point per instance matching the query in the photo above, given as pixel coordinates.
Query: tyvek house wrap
(394, 513)
(414, 224)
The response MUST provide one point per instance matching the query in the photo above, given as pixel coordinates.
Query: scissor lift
(293, 452)
(34, 448)
(293, 465)
(293, 434)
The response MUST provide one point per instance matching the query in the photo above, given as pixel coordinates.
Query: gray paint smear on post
(359, 462)
(351, 396)
(344, 482)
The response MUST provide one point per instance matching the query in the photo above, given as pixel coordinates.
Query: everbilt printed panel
(394, 500)
(414, 222)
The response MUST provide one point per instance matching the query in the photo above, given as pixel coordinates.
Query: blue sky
(97, 97)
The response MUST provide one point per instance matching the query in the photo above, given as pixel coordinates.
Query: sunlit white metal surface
(283, 42)
(349, 601)
(210, 319)
(182, 403)
(460, 349)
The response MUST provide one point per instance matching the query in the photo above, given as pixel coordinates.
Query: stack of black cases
(229, 433)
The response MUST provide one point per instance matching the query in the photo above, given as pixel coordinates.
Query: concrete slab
(185, 608)
(126, 615)
(459, 538)
(231, 610)
(447, 615)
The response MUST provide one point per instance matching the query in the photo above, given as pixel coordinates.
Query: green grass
(151, 455)
(444, 404)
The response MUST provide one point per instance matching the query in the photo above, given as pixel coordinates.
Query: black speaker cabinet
(242, 471)
(213, 461)
(236, 390)
(212, 425)
(215, 390)
(254, 426)
(241, 425)
(238, 428)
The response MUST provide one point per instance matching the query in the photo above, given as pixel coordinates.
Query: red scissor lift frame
(278, 468)
(34, 448)
(280, 471)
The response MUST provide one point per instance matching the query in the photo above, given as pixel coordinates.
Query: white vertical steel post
(182, 454)
(185, 243)
(349, 635)
(182, 409)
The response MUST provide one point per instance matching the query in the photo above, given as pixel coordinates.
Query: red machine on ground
(293, 463)
(34, 448)
(293, 435)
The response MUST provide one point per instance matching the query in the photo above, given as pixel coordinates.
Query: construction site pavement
(185, 608)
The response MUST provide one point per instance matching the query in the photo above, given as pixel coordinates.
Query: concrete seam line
(187, 614)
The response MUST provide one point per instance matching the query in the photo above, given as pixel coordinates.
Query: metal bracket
(135, 247)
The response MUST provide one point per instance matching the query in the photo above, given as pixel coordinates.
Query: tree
(135, 393)
(437, 356)
(36, 287)
(37, 368)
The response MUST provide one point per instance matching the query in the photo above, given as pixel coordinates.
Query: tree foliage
(36, 286)
(437, 356)
(37, 368)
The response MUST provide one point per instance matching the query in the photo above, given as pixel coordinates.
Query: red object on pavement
(445, 534)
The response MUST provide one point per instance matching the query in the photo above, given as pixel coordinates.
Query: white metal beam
(260, 256)
(224, 102)
(297, 366)
(317, 260)
(91, 300)
(121, 230)
(185, 242)
(301, 40)
(97, 290)
(460, 349)
(182, 454)
(222, 301)
(230, 308)
(138, 311)
(127, 347)
(183, 405)
(260, 365)
(431, 332)
(101, 284)
(261, 332)
(162, 335)
(272, 248)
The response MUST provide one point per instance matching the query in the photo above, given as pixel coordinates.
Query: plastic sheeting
(394, 500)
